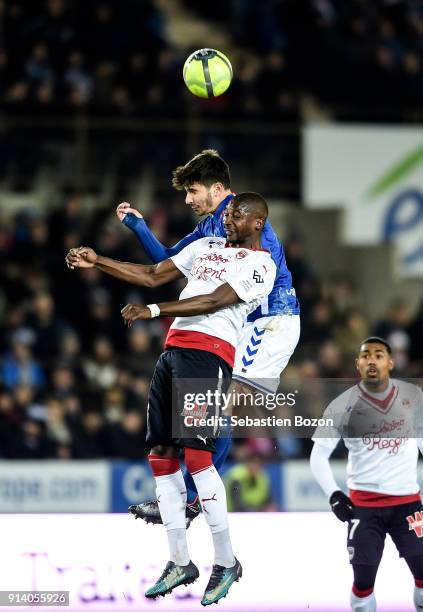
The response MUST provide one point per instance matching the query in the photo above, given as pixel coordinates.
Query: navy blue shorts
(368, 529)
(178, 371)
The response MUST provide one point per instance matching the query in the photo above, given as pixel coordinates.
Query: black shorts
(367, 531)
(177, 372)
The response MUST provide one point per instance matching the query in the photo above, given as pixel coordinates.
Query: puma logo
(210, 498)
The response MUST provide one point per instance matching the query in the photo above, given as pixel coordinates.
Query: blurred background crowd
(60, 56)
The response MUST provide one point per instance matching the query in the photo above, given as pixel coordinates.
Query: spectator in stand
(19, 366)
(248, 486)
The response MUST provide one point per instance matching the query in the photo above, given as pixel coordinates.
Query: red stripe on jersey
(381, 405)
(203, 342)
(362, 592)
(372, 499)
(418, 583)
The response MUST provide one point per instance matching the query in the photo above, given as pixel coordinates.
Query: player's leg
(365, 544)
(170, 485)
(406, 532)
(149, 511)
(222, 446)
(416, 567)
(212, 494)
(362, 597)
(213, 373)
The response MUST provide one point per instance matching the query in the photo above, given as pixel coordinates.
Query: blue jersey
(281, 300)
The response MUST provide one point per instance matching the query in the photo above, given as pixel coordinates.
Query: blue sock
(219, 458)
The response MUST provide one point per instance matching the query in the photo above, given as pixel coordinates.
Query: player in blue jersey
(271, 332)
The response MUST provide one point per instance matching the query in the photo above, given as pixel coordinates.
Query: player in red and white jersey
(226, 281)
(379, 420)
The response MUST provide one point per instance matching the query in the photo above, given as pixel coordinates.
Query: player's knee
(162, 465)
(197, 460)
(164, 451)
(416, 567)
(364, 579)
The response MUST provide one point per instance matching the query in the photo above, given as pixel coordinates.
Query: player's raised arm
(155, 250)
(136, 274)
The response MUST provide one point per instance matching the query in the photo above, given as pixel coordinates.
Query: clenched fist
(134, 312)
(124, 208)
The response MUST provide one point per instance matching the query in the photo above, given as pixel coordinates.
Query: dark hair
(254, 202)
(377, 340)
(205, 168)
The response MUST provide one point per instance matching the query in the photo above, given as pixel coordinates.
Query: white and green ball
(207, 73)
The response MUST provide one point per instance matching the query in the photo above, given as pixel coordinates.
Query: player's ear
(391, 364)
(356, 364)
(259, 224)
(216, 189)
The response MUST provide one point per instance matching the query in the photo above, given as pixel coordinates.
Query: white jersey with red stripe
(208, 263)
(382, 432)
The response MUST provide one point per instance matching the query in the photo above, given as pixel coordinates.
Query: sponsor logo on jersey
(351, 551)
(241, 254)
(415, 523)
(205, 273)
(214, 257)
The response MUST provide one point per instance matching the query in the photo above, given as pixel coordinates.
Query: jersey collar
(219, 210)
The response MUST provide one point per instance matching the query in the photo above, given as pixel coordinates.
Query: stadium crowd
(117, 59)
(74, 380)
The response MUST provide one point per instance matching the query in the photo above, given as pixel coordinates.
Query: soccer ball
(207, 73)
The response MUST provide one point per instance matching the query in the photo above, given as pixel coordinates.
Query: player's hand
(134, 312)
(81, 257)
(342, 506)
(124, 208)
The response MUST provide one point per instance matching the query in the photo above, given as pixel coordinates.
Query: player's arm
(220, 298)
(340, 503)
(155, 250)
(136, 274)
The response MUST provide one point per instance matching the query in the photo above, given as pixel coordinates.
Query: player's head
(244, 217)
(206, 180)
(374, 361)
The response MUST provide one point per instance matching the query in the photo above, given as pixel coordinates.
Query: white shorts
(265, 348)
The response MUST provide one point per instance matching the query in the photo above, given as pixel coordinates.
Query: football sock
(212, 494)
(171, 496)
(418, 598)
(363, 604)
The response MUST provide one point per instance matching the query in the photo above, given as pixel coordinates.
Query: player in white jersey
(379, 420)
(226, 281)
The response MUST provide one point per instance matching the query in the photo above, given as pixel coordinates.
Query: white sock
(171, 495)
(212, 495)
(223, 554)
(363, 604)
(418, 598)
(178, 547)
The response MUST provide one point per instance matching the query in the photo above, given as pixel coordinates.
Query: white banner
(376, 175)
(291, 562)
(55, 486)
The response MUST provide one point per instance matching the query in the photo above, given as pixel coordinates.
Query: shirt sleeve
(152, 245)
(329, 434)
(320, 467)
(184, 259)
(254, 279)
